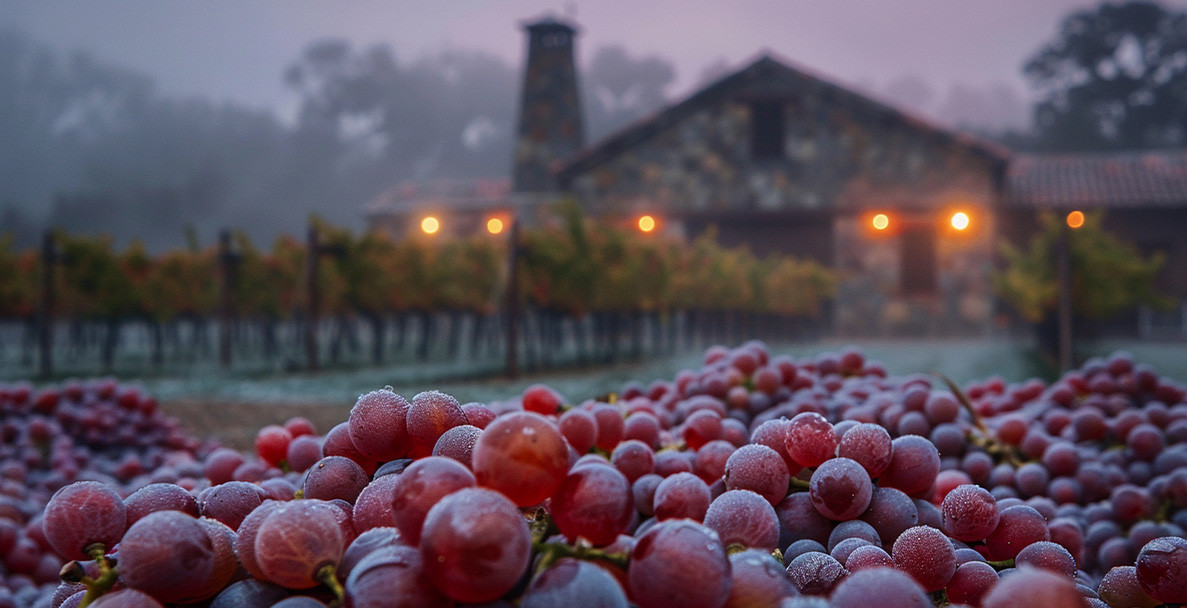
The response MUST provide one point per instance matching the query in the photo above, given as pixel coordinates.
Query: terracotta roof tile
(1099, 179)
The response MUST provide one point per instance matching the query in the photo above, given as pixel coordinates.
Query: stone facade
(785, 162)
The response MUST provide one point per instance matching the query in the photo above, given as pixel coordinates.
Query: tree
(1114, 77)
(1108, 275)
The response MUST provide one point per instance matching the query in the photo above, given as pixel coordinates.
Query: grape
(580, 429)
(428, 416)
(230, 502)
(1120, 587)
(595, 503)
(159, 497)
(810, 439)
(682, 495)
(366, 542)
(970, 583)
(298, 601)
(890, 512)
(701, 427)
(868, 444)
(221, 464)
(773, 434)
(760, 469)
(914, 464)
(226, 563)
(572, 582)
(458, 443)
(1029, 587)
(478, 414)
(670, 462)
(522, 455)
(1048, 555)
(419, 487)
(854, 528)
(272, 444)
(643, 492)
(679, 563)
(475, 543)
(337, 442)
(541, 399)
(633, 458)
(927, 555)
(1162, 569)
(373, 508)
(378, 425)
(798, 518)
(840, 488)
(757, 579)
(303, 452)
(710, 460)
(246, 536)
(743, 517)
(335, 477)
(968, 513)
(392, 577)
(127, 598)
(298, 426)
(1017, 527)
(249, 593)
(167, 554)
(815, 573)
(867, 556)
(297, 541)
(879, 587)
(611, 426)
(82, 514)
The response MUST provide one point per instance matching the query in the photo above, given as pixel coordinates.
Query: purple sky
(913, 52)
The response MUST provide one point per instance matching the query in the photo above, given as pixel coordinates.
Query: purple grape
(879, 587)
(745, 518)
(679, 563)
(841, 489)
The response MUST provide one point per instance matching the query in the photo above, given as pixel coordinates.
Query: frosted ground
(960, 360)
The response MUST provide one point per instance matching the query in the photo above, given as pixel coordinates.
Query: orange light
(1075, 219)
(646, 223)
(880, 221)
(960, 220)
(494, 225)
(430, 225)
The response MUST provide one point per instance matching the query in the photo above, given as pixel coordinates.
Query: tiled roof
(1143, 178)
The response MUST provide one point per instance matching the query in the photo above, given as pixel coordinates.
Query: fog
(97, 137)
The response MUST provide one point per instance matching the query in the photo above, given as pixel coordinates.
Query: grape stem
(1002, 564)
(985, 438)
(551, 552)
(327, 574)
(108, 575)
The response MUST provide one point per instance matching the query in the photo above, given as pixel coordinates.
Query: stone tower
(550, 124)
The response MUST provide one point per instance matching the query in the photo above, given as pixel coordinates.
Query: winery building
(782, 160)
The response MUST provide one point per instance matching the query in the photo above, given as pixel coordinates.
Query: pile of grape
(754, 480)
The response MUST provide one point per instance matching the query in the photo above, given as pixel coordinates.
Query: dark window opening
(767, 129)
(918, 248)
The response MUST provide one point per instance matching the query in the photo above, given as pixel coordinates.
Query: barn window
(767, 124)
(918, 249)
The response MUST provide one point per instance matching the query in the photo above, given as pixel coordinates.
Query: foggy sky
(235, 50)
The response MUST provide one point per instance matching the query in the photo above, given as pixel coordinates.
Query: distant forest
(94, 148)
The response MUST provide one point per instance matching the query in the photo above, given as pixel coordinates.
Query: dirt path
(236, 424)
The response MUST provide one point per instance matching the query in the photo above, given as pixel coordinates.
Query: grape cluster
(753, 480)
(110, 436)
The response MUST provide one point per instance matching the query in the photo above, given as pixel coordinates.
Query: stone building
(785, 161)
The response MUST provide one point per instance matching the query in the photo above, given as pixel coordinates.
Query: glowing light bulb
(430, 225)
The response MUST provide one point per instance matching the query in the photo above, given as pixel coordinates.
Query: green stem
(1003, 564)
(328, 576)
(551, 552)
(108, 575)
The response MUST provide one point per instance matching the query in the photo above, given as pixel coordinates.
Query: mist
(91, 147)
